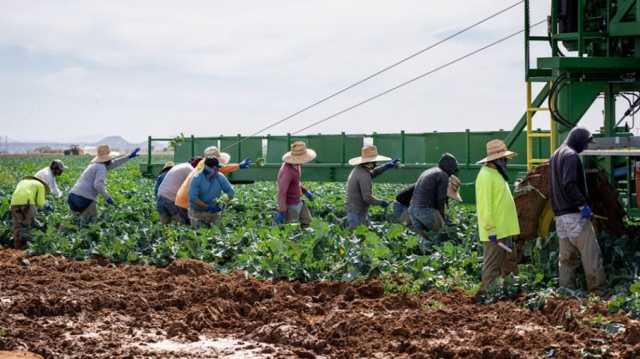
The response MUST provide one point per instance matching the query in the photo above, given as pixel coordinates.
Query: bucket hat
(299, 154)
(497, 149)
(369, 153)
(214, 152)
(453, 190)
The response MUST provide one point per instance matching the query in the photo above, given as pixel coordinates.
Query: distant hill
(117, 143)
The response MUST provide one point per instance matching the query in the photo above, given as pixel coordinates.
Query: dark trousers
(22, 219)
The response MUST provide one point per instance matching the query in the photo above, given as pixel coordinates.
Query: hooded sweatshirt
(431, 188)
(568, 183)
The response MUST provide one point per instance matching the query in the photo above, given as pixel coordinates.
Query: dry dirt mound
(60, 308)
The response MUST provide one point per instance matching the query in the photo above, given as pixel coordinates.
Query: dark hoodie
(431, 187)
(568, 183)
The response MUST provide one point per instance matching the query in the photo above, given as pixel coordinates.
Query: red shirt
(289, 187)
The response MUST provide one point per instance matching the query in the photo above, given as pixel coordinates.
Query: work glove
(493, 238)
(309, 195)
(280, 217)
(585, 212)
(244, 164)
(47, 207)
(134, 154)
(384, 204)
(391, 164)
(110, 201)
(214, 208)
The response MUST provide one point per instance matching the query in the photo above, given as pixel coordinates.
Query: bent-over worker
(570, 203)
(359, 194)
(49, 175)
(29, 195)
(496, 210)
(204, 191)
(93, 182)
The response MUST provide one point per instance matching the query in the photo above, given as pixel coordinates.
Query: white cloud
(211, 67)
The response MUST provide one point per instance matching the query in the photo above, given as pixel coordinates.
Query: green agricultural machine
(594, 51)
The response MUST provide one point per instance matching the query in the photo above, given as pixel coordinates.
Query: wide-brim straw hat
(453, 190)
(299, 154)
(369, 153)
(168, 165)
(214, 152)
(46, 185)
(497, 149)
(103, 154)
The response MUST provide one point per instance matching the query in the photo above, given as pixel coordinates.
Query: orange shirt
(182, 198)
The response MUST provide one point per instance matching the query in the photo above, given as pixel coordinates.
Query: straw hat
(369, 153)
(299, 154)
(168, 165)
(46, 185)
(214, 152)
(497, 149)
(103, 154)
(453, 191)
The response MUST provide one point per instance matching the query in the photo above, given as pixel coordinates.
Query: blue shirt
(208, 188)
(159, 181)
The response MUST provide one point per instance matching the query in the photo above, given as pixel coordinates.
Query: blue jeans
(425, 220)
(167, 209)
(400, 212)
(78, 203)
(355, 219)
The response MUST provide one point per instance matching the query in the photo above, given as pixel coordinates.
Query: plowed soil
(60, 308)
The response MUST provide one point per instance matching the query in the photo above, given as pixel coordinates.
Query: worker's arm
(232, 167)
(384, 168)
(366, 191)
(226, 186)
(117, 162)
(572, 173)
(100, 182)
(441, 192)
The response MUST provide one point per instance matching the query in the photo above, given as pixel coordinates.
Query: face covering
(501, 166)
(370, 165)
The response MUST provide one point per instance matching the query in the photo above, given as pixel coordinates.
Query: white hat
(299, 154)
(103, 154)
(453, 190)
(369, 153)
(46, 176)
(213, 152)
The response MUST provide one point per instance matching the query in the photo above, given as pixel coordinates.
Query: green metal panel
(328, 147)
(352, 146)
(415, 148)
(575, 99)
(389, 145)
(276, 147)
(202, 143)
(182, 152)
(438, 143)
(248, 148)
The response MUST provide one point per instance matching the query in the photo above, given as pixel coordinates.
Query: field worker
(359, 194)
(182, 198)
(426, 210)
(496, 210)
(93, 182)
(401, 205)
(167, 167)
(168, 190)
(570, 203)
(49, 175)
(29, 195)
(206, 188)
(291, 208)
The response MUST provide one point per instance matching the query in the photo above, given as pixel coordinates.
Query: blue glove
(47, 207)
(309, 195)
(110, 201)
(384, 204)
(134, 154)
(245, 164)
(585, 212)
(391, 164)
(493, 238)
(281, 217)
(214, 208)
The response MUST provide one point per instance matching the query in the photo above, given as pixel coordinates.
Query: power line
(379, 72)
(430, 72)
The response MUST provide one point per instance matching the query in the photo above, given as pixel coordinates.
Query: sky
(81, 70)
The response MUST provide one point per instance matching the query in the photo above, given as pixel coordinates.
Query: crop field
(126, 286)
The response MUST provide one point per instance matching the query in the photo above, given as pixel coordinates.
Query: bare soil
(60, 308)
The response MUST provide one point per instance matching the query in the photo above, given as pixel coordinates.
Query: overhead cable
(379, 72)
(428, 73)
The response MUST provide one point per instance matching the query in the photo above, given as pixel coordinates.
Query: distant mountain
(117, 143)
